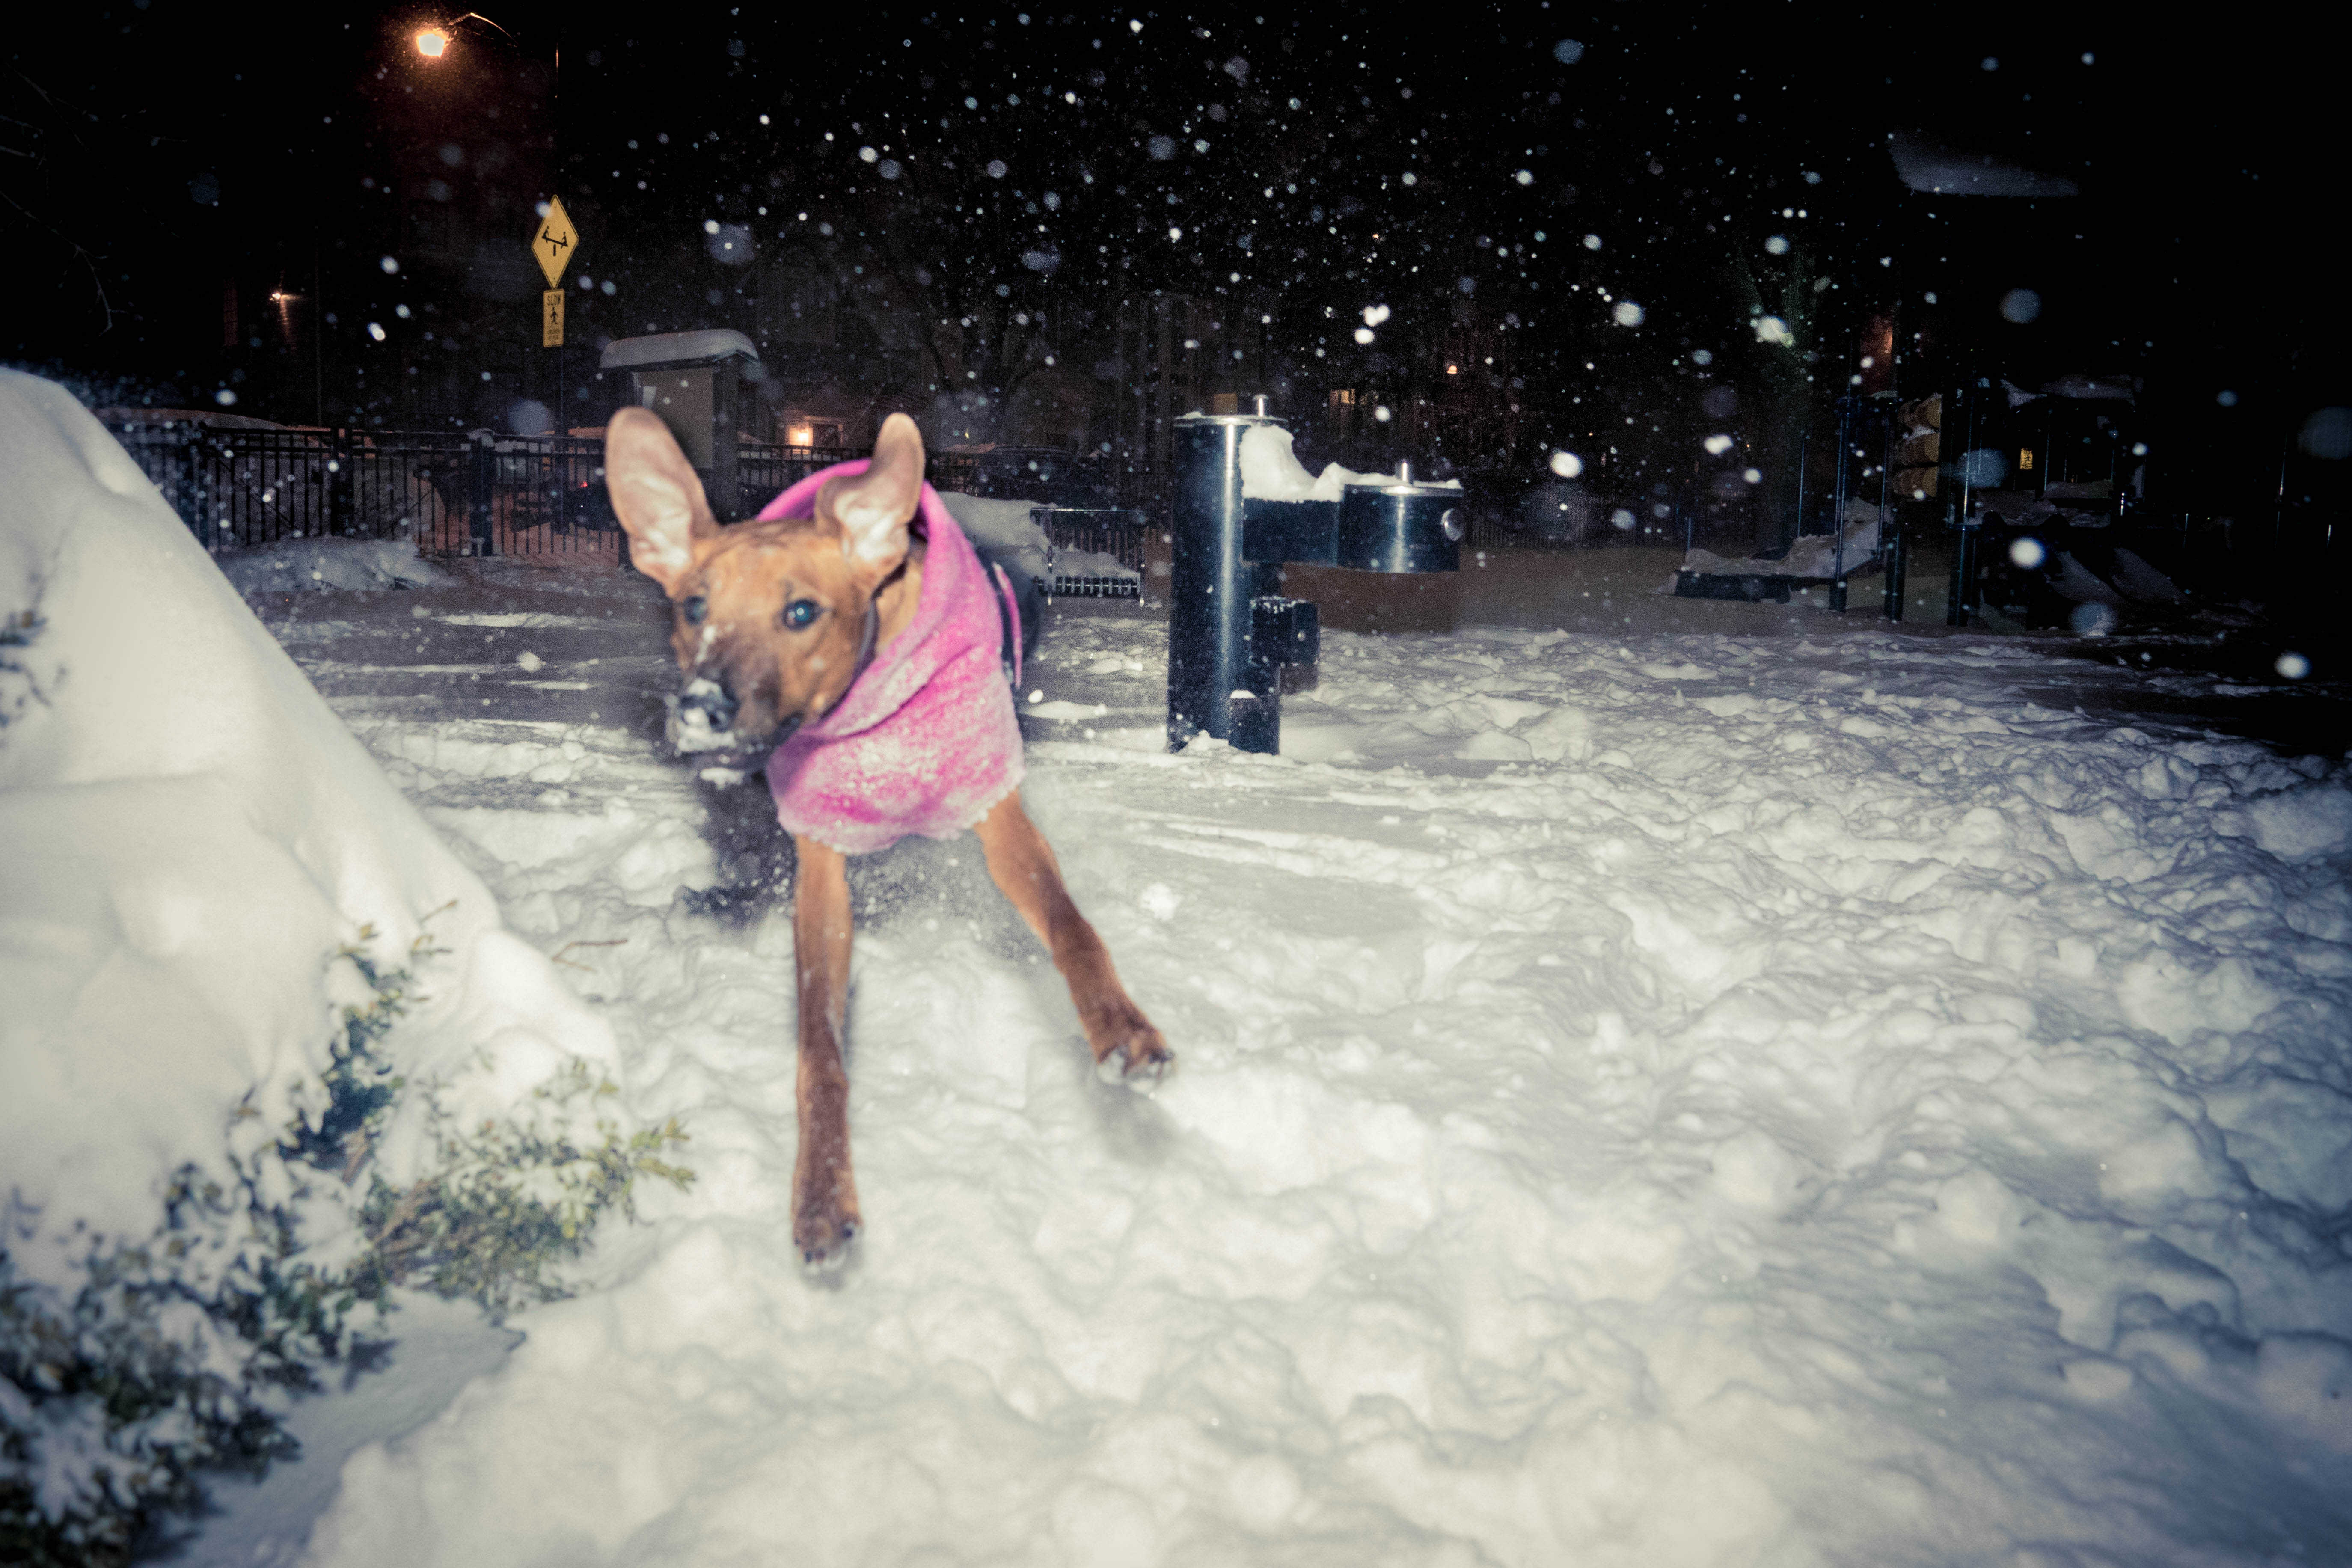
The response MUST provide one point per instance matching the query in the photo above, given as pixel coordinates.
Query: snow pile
(1813, 556)
(1092, 564)
(1272, 471)
(189, 834)
(1650, 1101)
(1006, 530)
(298, 565)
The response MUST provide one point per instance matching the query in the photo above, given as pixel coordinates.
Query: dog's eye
(694, 609)
(801, 612)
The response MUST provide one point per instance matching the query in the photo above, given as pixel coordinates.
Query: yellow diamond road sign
(554, 242)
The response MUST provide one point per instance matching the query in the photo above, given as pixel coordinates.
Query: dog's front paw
(1134, 1054)
(825, 1234)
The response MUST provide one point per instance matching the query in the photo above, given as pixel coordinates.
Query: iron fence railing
(953, 471)
(454, 494)
(1116, 531)
(475, 493)
(764, 470)
(532, 495)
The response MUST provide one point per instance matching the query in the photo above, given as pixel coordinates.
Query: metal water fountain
(1231, 631)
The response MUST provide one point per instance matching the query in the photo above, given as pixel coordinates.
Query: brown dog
(772, 624)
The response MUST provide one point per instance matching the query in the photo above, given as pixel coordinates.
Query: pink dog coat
(926, 740)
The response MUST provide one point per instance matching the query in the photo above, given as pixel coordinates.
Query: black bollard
(1210, 586)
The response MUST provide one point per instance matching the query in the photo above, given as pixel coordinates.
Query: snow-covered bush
(18, 628)
(115, 1398)
(505, 1201)
(246, 1094)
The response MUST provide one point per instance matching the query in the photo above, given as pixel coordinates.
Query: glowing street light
(433, 42)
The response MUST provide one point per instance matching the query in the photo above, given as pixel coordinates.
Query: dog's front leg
(1022, 866)
(824, 1196)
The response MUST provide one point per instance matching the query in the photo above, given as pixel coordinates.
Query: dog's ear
(656, 493)
(874, 507)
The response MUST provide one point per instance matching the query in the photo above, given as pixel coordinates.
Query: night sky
(1445, 166)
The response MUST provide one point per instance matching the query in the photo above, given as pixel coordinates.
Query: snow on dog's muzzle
(702, 717)
(702, 725)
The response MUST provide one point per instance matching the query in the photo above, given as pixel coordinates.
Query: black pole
(318, 337)
(1210, 584)
(554, 182)
(1837, 502)
(480, 470)
(1890, 527)
(1804, 441)
(1960, 415)
(1965, 570)
(194, 503)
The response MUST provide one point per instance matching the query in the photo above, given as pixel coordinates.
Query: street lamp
(433, 42)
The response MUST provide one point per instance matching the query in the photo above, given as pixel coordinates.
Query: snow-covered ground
(1708, 1085)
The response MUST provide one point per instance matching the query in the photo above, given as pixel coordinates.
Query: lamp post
(436, 42)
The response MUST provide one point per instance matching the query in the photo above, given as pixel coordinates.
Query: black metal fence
(764, 470)
(454, 493)
(1116, 531)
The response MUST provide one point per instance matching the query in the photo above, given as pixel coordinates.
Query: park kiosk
(695, 381)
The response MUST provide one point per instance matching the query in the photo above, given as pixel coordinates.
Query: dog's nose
(713, 701)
